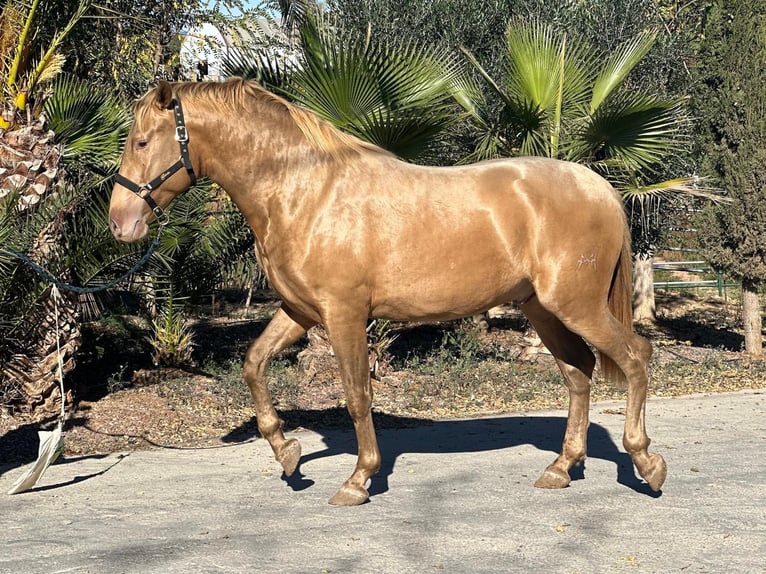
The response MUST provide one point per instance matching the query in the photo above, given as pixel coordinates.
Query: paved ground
(454, 496)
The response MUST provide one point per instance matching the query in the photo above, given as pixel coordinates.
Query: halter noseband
(184, 161)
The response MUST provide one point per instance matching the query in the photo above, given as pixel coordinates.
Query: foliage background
(120, 48)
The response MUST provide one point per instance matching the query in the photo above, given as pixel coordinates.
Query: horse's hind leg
(576, 362)
(631, 353)
(634, 362)
(279, 334)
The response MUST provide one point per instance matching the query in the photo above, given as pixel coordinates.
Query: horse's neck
(261, 166)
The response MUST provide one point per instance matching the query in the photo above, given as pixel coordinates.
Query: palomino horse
(346, 231)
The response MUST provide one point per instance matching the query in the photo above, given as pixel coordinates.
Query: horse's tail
(620, 304)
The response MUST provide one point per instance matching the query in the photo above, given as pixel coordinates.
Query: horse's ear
(164, 95)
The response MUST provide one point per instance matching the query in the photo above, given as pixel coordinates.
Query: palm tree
(560, 98)
(24, 73)
(32, 190)
(401, 97)
(44, 215)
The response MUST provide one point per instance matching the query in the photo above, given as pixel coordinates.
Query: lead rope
(48, 276)
(56, 295)
(52, 442)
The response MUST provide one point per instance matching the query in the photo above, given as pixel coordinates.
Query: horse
(346, 231)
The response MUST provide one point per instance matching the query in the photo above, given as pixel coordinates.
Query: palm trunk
(752, 319)
(34, 369)
(643, 289)
(29, 163)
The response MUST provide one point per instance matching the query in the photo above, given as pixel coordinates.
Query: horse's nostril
(116, 231)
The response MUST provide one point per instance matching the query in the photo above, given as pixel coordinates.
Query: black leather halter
(184, 161)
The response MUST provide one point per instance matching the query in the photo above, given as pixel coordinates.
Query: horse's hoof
(655, 472)
(553, 477)
(350, 495)
(289, 456)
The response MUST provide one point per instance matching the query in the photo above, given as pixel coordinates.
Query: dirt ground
(123, 404)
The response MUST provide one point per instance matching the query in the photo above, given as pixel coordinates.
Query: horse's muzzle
(131, 230)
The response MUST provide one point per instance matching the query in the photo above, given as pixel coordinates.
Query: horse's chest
(285, 279)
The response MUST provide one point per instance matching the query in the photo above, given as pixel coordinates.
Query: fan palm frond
(563, 99)
(631, 132)
(90, 122)
(398, 97)
(268, 67)
(615, 70)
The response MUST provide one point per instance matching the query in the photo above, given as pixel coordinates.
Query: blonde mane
(238, 93)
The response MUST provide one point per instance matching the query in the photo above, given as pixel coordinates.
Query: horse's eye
(141, 144)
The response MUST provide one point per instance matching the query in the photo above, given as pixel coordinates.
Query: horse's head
(152, 171)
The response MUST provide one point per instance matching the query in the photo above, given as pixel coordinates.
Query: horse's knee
(254, 371)
(575, 377)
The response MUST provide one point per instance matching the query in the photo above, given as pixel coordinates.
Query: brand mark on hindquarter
(587, 260)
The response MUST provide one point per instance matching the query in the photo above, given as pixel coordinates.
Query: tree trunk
(29, 164)
(643, 289)
(752, 320)
(34, 368)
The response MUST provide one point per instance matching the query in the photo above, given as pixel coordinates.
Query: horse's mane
(237, 93)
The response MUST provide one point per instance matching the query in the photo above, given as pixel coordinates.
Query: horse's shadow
(452, 436)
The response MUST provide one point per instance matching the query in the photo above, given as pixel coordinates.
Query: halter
(184, 161)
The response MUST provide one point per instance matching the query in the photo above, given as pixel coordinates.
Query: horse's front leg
(280, 333)
(349, 342)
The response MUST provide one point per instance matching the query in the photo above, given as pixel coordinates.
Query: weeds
(117, 381)
(463, 343)
(284, 383)
(461, 349)
(229, 381)
(171, 337)
(282, 376)
(380, 337)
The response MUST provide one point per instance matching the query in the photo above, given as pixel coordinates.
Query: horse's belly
(450, 267)
(447, 294)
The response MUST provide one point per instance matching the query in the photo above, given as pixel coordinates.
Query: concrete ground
(452, 496)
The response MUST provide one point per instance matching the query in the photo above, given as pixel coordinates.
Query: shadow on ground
(398, 436)
(700, 335)
(401, 435)
(705, 322)
(19, 446)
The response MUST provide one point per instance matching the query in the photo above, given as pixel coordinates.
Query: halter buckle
(162, 218)
(182, 136)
